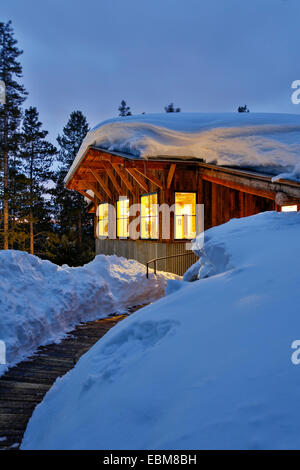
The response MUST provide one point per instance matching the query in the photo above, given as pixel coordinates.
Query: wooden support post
(170, 175)
(241, 204)
(214, 207)
(232, 203)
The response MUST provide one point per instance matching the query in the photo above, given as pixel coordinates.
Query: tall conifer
(10, 117)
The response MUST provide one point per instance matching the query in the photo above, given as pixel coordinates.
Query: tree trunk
(31, 205)
(31, 232)
(5, 202)
(5, 188)
(79, 231)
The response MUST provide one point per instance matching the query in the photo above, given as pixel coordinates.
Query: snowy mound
(208, 366)
(40, 301)
(267, 142)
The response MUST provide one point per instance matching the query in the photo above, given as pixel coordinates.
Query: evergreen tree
(124, 110)
(170, 109)
(37, 156)
(10, 116)
(243, 109)
(74, 234)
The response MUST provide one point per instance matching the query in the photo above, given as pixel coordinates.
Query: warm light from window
(103, 220)
(289, 208)
(185, 215)
(123, 218)
(149, 216)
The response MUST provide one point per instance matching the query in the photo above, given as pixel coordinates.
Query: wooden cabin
(122, 180)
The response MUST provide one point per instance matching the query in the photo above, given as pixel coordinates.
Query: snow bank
(208, 366)
(40, 302)
(261, 141)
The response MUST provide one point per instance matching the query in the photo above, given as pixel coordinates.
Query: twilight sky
(204, 55)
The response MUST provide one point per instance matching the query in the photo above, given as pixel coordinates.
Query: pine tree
(37, 156)
(243, 109)
(170, 109)
(124, 110)
(10, 115)
(74, 241)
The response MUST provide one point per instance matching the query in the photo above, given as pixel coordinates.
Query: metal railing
(165, 257)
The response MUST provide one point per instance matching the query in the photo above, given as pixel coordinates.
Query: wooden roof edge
(234, 171)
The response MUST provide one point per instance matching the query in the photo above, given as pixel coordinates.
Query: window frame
(104, 219)
(193, 215)
(150, 217)
(122, 199)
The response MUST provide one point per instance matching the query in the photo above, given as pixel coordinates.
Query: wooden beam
(123, 176)
(241, 204)
(99, 195)
(112, 178)
(86, 195)
(104, 156)
(95, 165)
(240, 187)
(138, 178)
(170, 175)
(83, 184)
(92, 187)
(150, 177)
(142, 164)
(214, 205)
(83, 177)
(102, 183)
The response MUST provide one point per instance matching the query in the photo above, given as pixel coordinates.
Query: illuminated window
(289, 208)
(123, 218)
(149, 216)
(103, 220)
(185, 215)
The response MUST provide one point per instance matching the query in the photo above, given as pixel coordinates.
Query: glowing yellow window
(123, 218)
(103, 220)
(185, 215)
(149, 216)
(289, 208)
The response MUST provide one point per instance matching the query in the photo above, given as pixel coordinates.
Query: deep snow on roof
(261, 141)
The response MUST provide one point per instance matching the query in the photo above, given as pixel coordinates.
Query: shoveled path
(24, 386)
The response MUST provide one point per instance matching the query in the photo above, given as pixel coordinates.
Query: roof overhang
(87, 173)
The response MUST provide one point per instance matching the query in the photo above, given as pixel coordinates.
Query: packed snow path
(25, 385)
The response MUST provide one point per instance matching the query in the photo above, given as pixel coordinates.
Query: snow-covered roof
(261, 141)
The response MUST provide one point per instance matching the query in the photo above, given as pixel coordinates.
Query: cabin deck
(25, 385)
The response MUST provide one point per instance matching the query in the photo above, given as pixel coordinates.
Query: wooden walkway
(25, 385)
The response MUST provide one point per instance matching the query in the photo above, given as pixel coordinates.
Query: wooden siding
(143, 251)
(222, 204)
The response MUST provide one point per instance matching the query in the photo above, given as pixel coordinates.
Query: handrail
(154, 260)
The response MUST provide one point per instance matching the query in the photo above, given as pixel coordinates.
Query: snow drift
(209, 366)
(40, 302)
(261, 141)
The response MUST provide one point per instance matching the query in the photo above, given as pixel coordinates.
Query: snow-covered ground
(208, 366)
(40, 302)
(262, 141)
